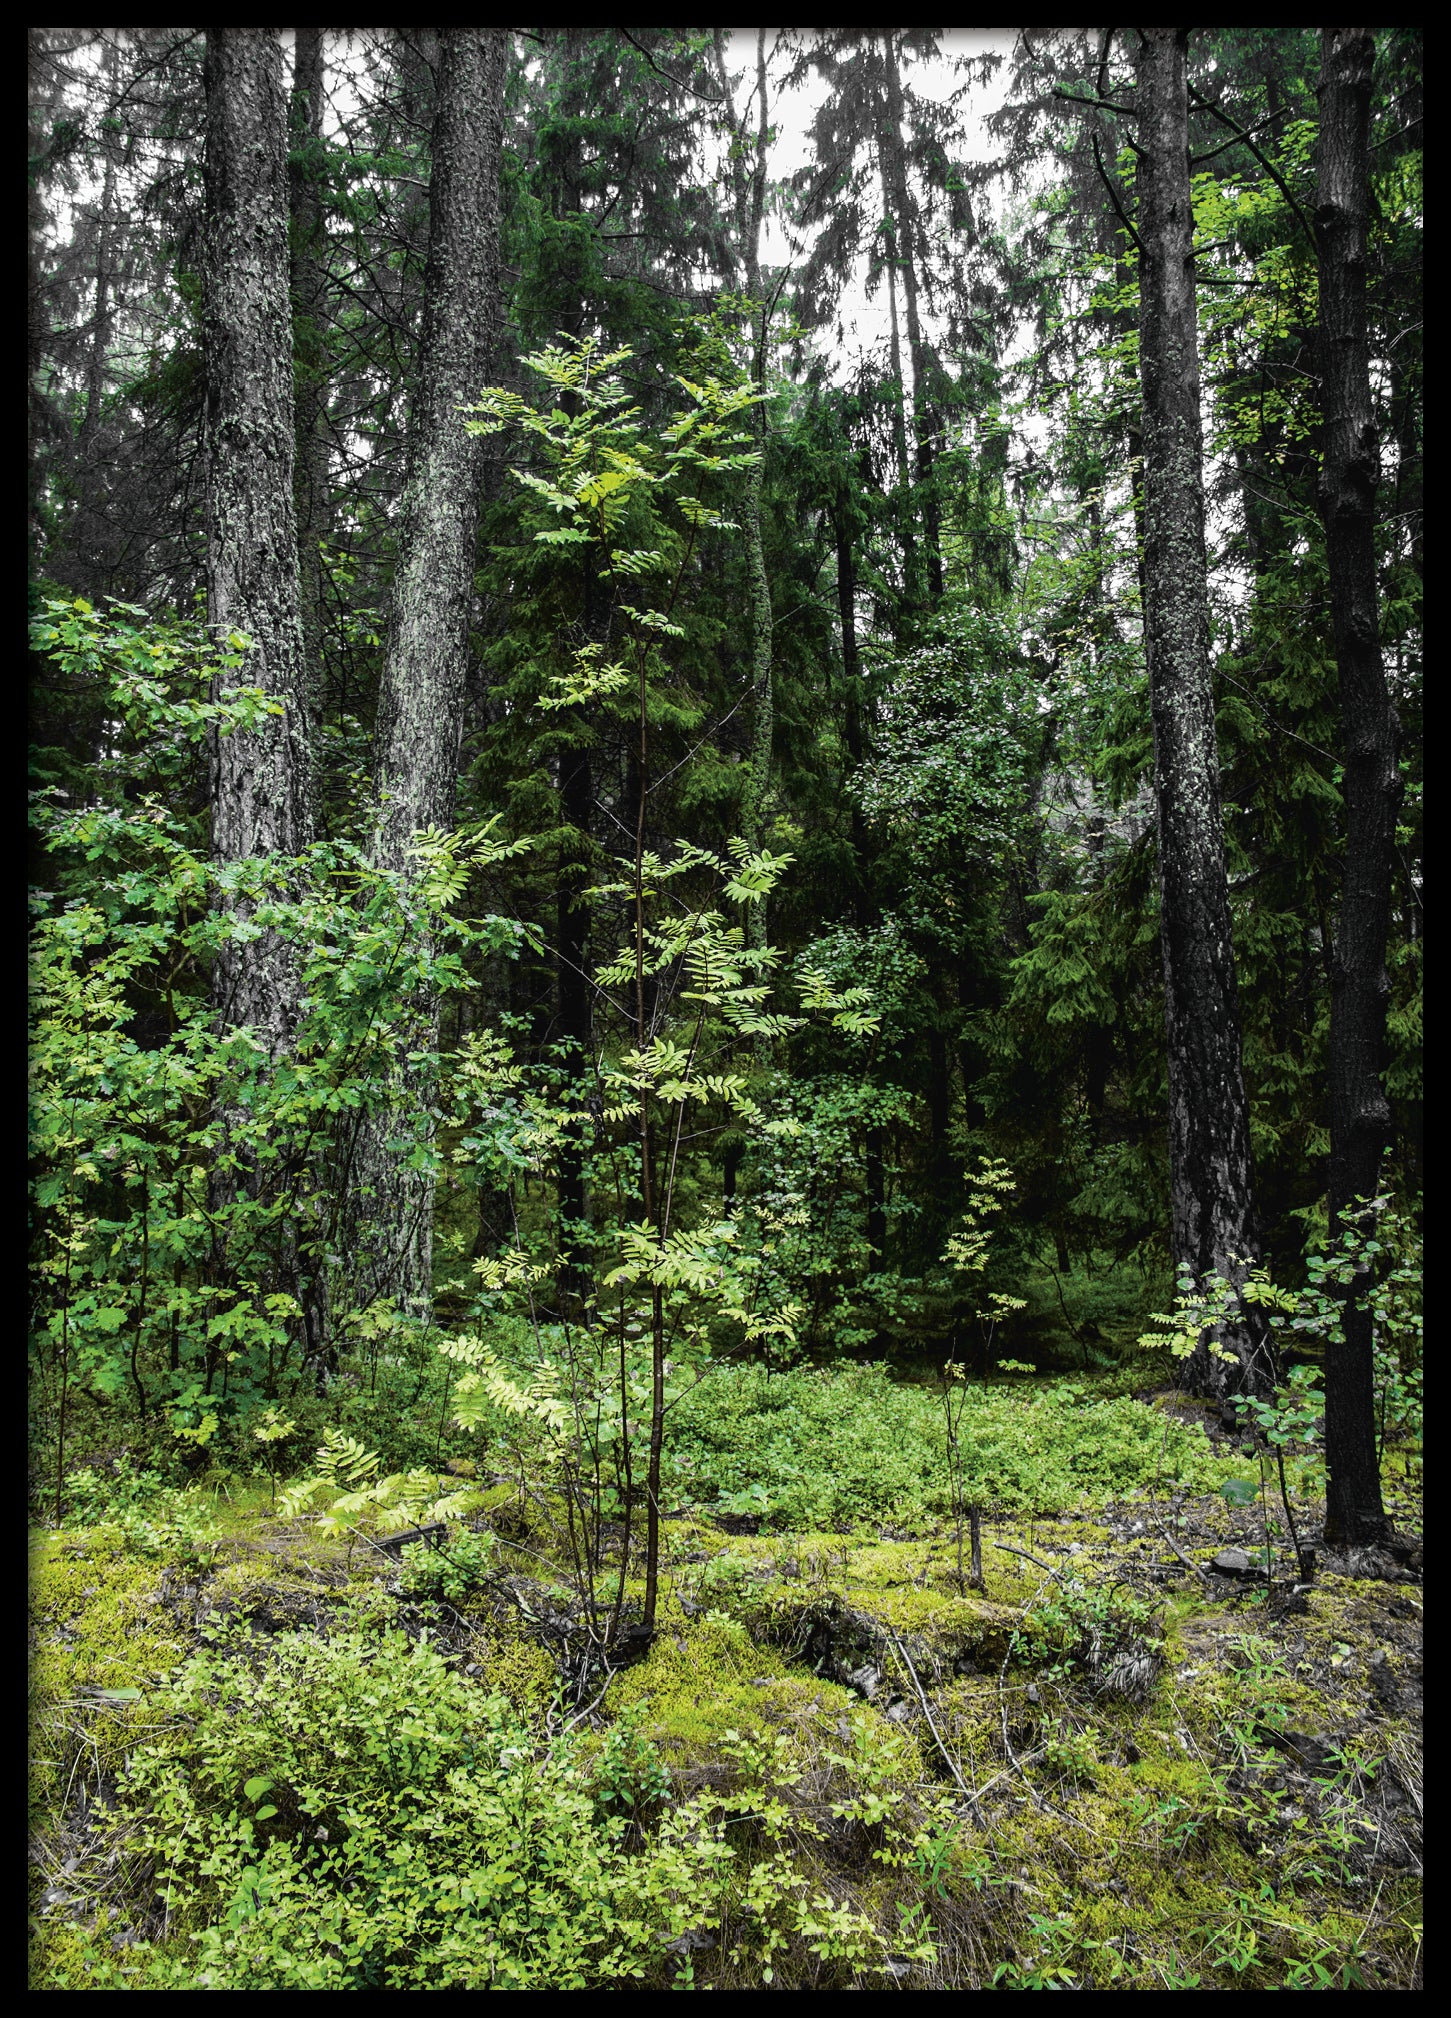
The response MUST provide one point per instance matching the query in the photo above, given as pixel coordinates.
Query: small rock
(898, 1712)
(1033, 1696)
(866, 1680)
(1233, 1563)
(692, 1940)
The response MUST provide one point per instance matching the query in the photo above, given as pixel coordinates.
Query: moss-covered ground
(1112, 1766)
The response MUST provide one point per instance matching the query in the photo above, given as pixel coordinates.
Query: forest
(725, 939)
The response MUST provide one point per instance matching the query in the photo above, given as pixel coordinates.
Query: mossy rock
(706, 1677)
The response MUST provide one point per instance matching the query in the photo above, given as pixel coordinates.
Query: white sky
(867, 322)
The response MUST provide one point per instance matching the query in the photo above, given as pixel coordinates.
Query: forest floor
(1114, 1765)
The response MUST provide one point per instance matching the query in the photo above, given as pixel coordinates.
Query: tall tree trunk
(1209, 1141)
(758, 784)
(863, 904)
(420, 708)
(912, 596)
(309, 337)
(101, 326)
(260, 801)
(260, 777)
(895, 155)
(1360, 1120)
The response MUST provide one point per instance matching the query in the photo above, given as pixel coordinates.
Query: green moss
(514, 1666)
(97, 1623)
(706, 1677)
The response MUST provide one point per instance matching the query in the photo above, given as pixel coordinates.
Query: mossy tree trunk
(420, 707)
(260, 777)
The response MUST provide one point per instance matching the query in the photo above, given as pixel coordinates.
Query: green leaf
(1239, 1491)
(257, 1786)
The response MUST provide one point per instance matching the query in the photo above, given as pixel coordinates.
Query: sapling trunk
(1304, 1557)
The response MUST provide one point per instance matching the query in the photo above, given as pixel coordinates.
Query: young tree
(1209, 1144)
(1359, 1110)
(420, 708)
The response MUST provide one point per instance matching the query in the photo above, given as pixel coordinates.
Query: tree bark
(310, 385)
(750, 211)
(420, 707)
(1209, 1143)
(863, 905)
(574, 999)
(260, 800)
(1360, 1119)
(911, 596)
(260, 777)
(895, 156)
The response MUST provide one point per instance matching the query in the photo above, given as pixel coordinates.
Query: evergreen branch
(1114, 197)
(1099, 104)
(678, 82)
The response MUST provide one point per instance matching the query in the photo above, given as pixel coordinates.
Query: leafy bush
(138, 1510)
(353, 1814)
(452, 1571)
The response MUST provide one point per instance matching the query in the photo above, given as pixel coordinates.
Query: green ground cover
(267, 1757)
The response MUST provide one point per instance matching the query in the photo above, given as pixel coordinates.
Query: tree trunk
(101, 326)
(1209, 1142)
(851, 666)
(574, 1005)
(260, 802)
(863, 904)
(894, 153)
(1360, 1120)
(912, 586)
(309, 329)
(260, 777)
(762, 636)
(420, 708)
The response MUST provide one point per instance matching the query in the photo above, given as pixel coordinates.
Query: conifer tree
(1209, 1141)
(420, 714)
(1359, 1111)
